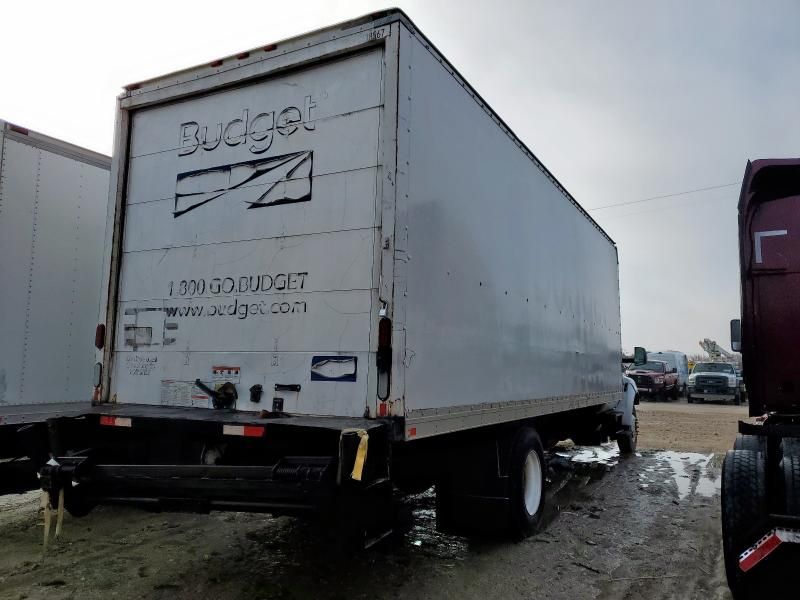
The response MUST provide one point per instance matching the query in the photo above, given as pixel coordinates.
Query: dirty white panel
(341, 201)
(338, 144)
(252, 270)
(168, 379)
(310, 95)
(511, 292)
(260, 247)
(52, 223)
(321, 322)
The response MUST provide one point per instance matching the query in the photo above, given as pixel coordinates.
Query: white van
(675, 360)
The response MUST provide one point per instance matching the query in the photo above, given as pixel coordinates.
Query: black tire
(76, 504)
(743, 512)
(627, 441)
(791, 484)
(791, 446)
(753, 443)
(526, 444)
(675, 392)
(689, 399)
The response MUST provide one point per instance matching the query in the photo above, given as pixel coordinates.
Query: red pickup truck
(655, 379)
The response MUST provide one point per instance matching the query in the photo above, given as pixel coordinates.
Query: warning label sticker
(182, 393)
(223, 373)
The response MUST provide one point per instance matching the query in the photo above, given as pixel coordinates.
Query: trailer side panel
(518, 284)
(53, 199)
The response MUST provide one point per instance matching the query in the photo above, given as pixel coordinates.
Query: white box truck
(53, 201)
(335, 274)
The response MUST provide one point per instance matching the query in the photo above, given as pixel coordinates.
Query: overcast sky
(622, 100)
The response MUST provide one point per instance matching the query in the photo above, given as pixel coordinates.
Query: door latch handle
(284, 387)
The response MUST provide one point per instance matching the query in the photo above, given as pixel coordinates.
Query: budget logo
(261, 182)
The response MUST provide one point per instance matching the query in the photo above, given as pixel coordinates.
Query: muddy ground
(645, 527)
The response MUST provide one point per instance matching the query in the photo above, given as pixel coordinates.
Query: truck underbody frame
(213, 460)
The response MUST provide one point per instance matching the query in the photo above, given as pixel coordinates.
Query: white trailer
(53, 200)
(330, 240)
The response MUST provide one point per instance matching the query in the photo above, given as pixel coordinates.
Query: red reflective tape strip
(253, 431)
(115, 421)
(762, 550)
(382, 409)
(243, 430)
(412, 432)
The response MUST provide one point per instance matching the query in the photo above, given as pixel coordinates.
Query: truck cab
(714, 381)
(655, 379)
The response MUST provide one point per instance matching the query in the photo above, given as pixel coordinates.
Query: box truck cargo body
(53, 199)
(330, 240)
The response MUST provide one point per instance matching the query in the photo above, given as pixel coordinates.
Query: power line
(703, 189)
(668, 206)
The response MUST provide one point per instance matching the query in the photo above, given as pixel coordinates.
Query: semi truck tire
(753, 443)
(527, 477)
(791, 446)
(791, 484)
(743, 508)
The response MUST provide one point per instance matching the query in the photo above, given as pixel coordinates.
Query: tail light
(384, 356)
(100, 336)
(384, 344)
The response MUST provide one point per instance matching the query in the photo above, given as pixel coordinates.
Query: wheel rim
(532, 482)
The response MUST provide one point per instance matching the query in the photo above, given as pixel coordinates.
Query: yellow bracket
(361, 453)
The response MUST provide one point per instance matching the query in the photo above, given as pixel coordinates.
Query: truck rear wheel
(791, 484)
(475, 498)
(791, 446)
(743, 510)
(527, 483)
(753, 443)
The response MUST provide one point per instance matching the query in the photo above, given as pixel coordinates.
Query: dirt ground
(642, 527)
(695, 427)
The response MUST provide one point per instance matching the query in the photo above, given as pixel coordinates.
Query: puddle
(691, 472)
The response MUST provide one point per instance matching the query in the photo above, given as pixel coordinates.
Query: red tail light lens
(384, 344)
(385, 333)
(100, 336)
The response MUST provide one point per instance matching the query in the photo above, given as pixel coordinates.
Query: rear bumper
(198, 460)
(291, 486)
(651, 391)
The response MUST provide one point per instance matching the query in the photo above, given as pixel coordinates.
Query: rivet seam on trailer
(30, 275)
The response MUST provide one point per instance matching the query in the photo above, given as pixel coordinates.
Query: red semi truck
(761, 475)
